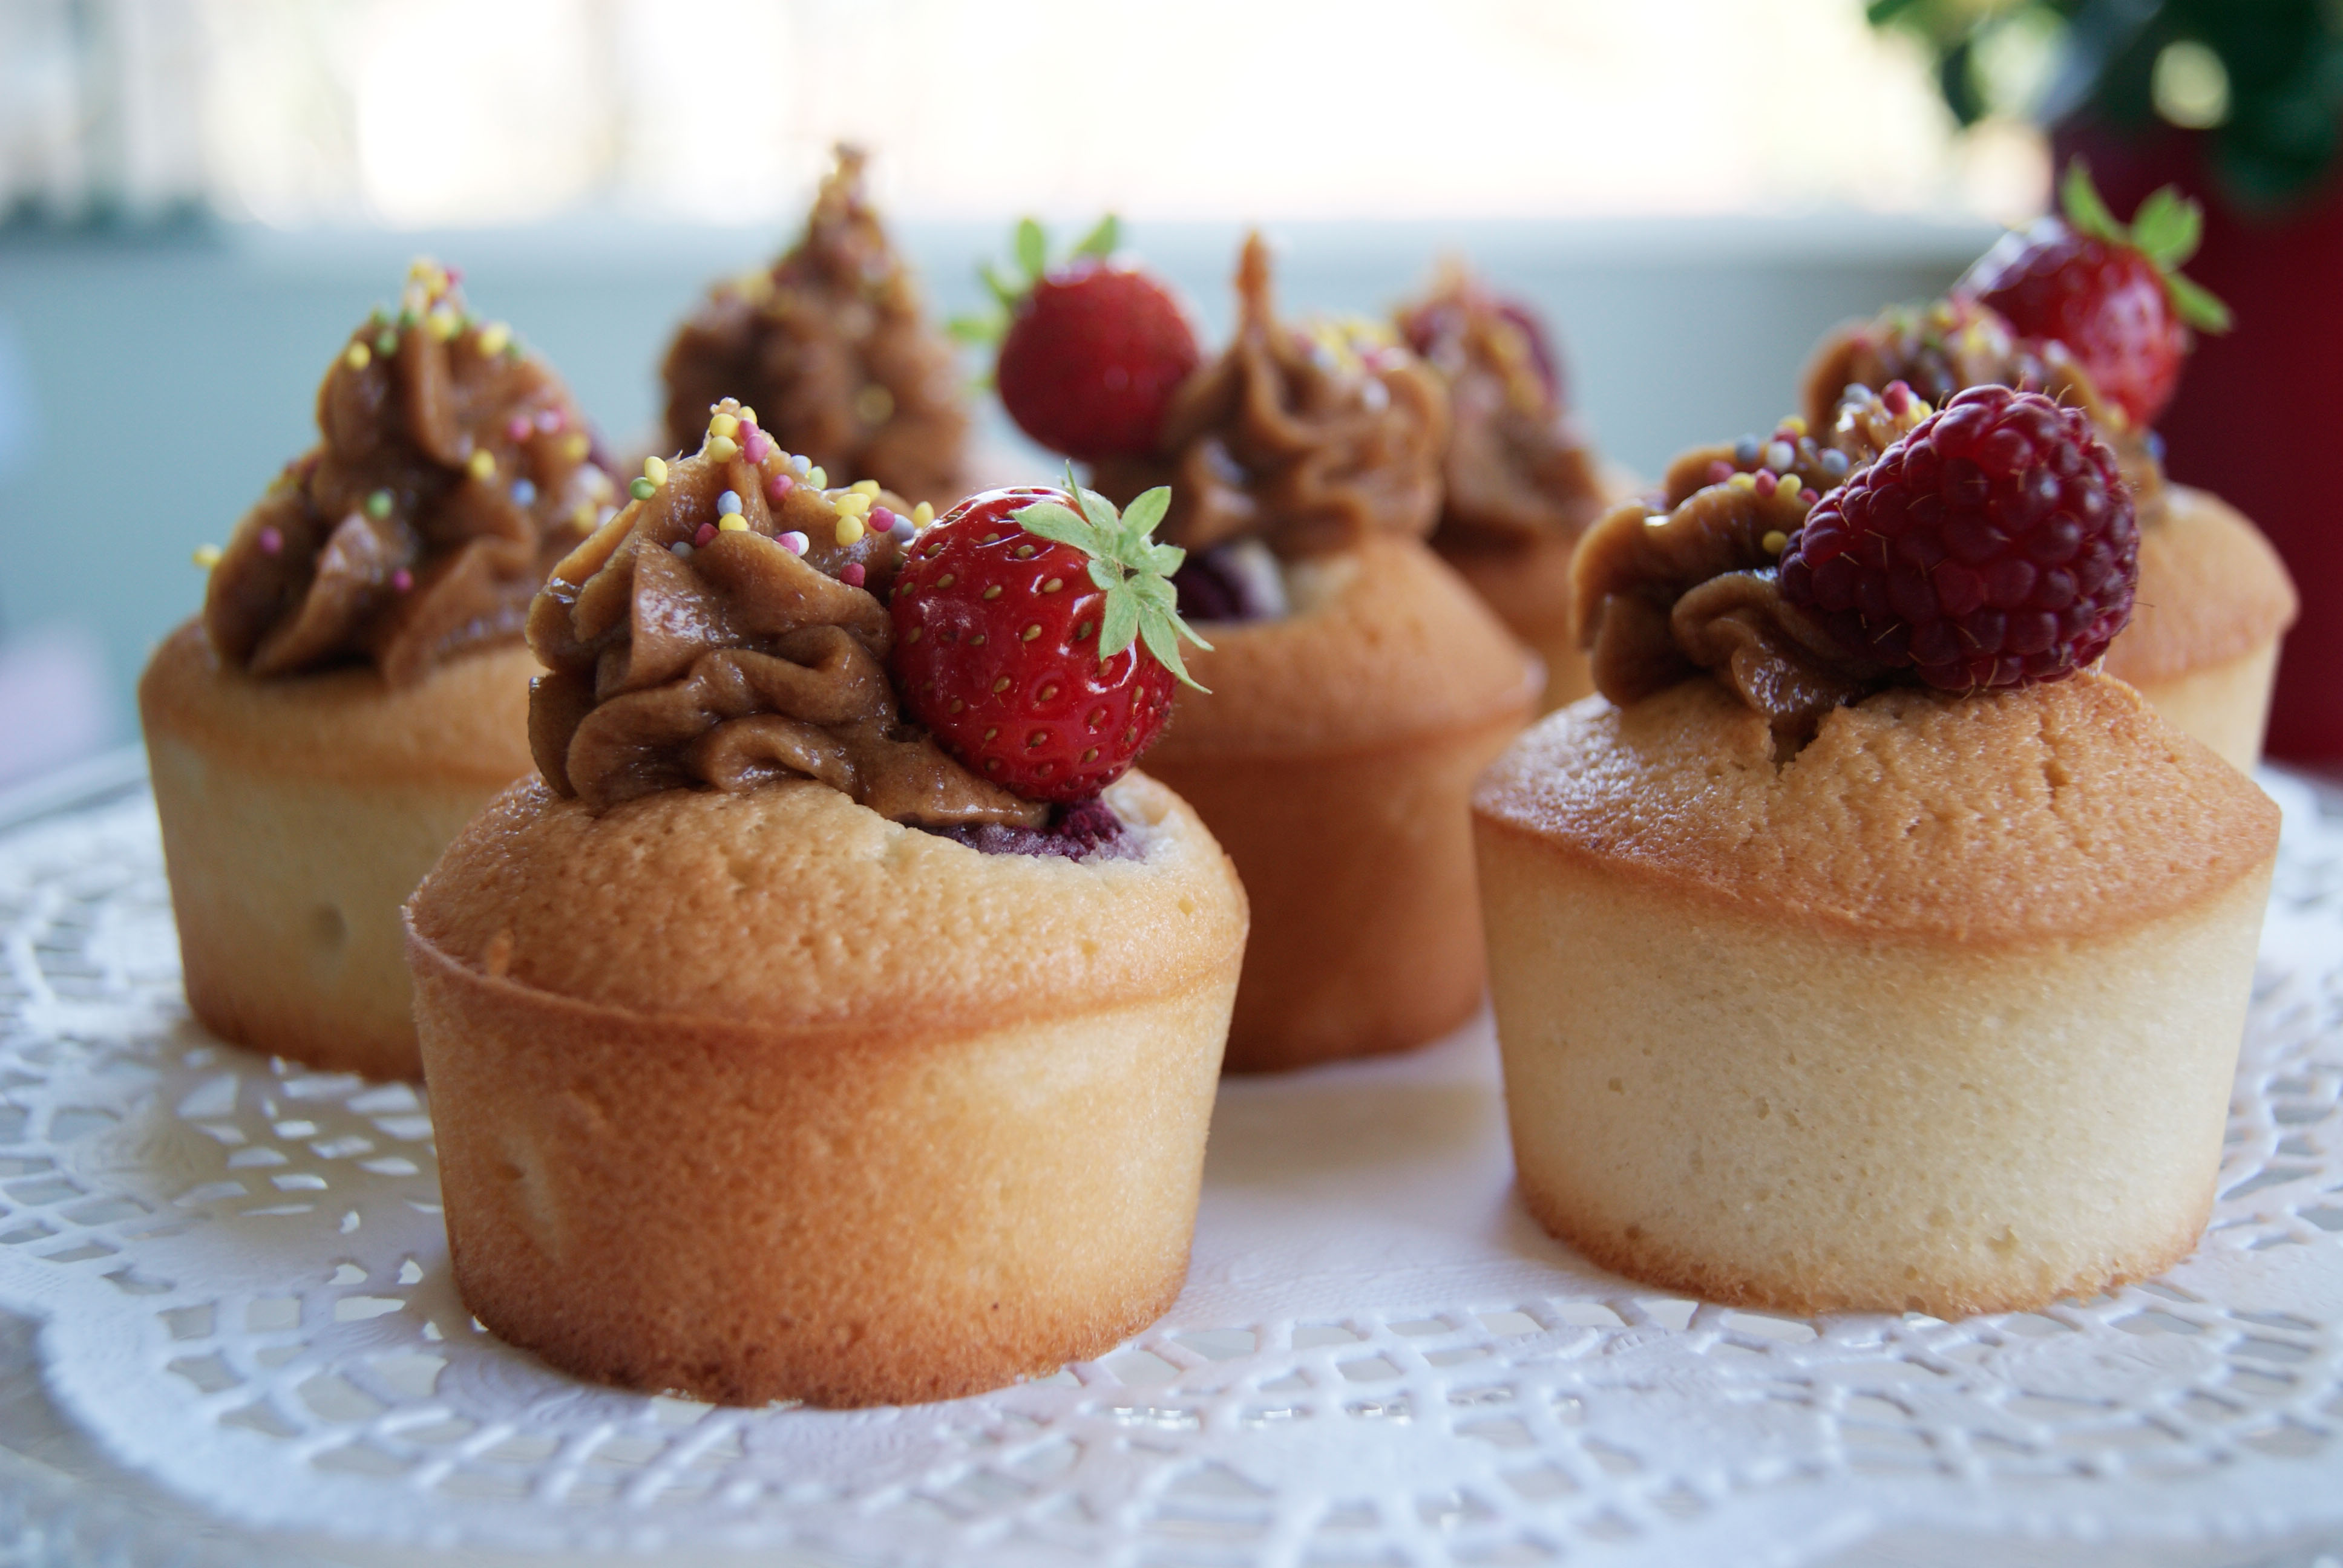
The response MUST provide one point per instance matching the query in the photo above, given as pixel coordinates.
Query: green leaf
(2197, 305)
(1106, 573)
(1005, 293)
(1057, 524)
(1121, 626)
(1165, 558)
(2167, 227)
(1161, 636)
(983, 330)
(1101, 241)
(1147, 509)
(1032, 248)
(2084, 209)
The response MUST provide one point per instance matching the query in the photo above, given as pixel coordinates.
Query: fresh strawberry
(1091, 350)
(1035, 635)
(1991, 545)
(2111, 294)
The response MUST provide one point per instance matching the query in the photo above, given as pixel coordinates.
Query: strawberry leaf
(1120, 626)
(2084, 209)
(1147, 509)
(1059, 525)
(1161, 633)
(1101, 241)
(1032, 250)
(2197, 305)
(1125, 563)
(2168, 228)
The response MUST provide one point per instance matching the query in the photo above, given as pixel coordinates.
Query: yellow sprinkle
(818, 479)
(855, 501)
(493, 338)
(748, 414)
(732, 523)
(655, 470)
(1920, 409)
(208, 556)
(1775, 541)
(849, 528)
(723, 449)
(922, 514)
(444, 324)
(582, 515)
(1742, 481)
(865, 487)
(575, 445)
(357, 357)
(1796, 425)
(723, 425)
(481, 463)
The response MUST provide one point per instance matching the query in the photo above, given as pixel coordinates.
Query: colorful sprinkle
(803, 465)
(551, 420)
(1745, 451)
(778, 486)
(796, 543)
(723, 449)
(642, 489)
(723, 425)
(1742, 481)
(576, 445)
(1719, 471)
(386, 343)
(494, 338)
(853, 503)
(518, 428)
(849, 528)
(852, 574)
(1835, 463)
(1775, 541)
(1764, 482)
(1809, 496)
(732, 523)
(524, 494)
(865, 487)
(758, 447)
(922, 514)
(1796, 425)
(817, 478)
(1779, 455)
(271, 541)
(481, 464)
(728, 502)
(680, 548)
(707, 532)
(378, 506)
(443, 324)
(655, 470)
(208, 556)
(748, 417)
(357, 357)
(402, 581)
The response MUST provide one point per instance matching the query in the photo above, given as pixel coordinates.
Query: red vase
(2259, 414)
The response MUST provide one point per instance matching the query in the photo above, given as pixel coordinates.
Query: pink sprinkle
(1898, 396)
(518, 430)
(271, 541)
(1719, 471)
(1809, 496)
(851, 574)
(794, 542)
(882, 520)
(758, 447)
(707, 532)
(778, 486)
(550, 421)
(1766, 481)
(402, 580)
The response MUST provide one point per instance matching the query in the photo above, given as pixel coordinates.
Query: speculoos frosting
(832, 346)
(1306, 438)
(689, 645)
(452, 471)
(1951, 345)
(1517, 470)
(1687, 581)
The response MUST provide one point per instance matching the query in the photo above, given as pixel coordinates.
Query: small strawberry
(1991, 545)
(1016, 617)
(1091, 350)
(2111, 294)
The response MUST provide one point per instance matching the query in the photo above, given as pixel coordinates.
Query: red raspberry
(1992, 544)
(1009, 648)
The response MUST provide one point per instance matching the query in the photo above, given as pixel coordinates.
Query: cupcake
(832, 346)
(783, 1046)
(1358, 685)
(2093, 314)
(356, 687)
(1519, 480)
(1859, 948)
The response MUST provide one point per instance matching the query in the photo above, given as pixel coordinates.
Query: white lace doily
(242, 1288)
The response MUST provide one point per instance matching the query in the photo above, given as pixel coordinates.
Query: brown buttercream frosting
(1664, 592)
(830, 346)
(1307, 439)
(683, 652)
(453, 472)
(1517, 470)
(1954, 344)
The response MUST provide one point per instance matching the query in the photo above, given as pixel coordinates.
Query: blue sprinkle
(903, 531)
(1835, 463)
(1744, 450)
(728, 504)
(523, 492)
(2155, 447)
(802, 463)
(681, 547)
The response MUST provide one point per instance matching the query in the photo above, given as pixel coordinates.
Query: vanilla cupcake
(1357, 685)
(832, 343)
(2213, 598)
(1823, 988)
(776, 1051)
(1520, 479)
(356, 687)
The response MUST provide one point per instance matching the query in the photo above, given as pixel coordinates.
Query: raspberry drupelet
(1994, 545)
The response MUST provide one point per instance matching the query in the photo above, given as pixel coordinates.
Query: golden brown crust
(1385, 643)
(2069, 808)
(2211, 590)
(847, 909)
(465, 722)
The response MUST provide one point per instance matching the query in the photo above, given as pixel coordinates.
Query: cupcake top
(729, 626)
(1306, 439)
(831, 344)
(453, 470)
(1517, 470)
